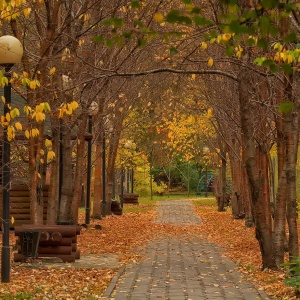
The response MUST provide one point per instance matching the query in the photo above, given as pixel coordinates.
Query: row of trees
(234, 64)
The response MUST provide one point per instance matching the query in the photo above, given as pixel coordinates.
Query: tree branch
(168, 70)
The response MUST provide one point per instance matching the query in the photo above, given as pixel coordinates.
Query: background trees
(174, 79)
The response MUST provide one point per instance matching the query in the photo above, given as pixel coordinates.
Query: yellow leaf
(50, 155)
(52, 71)
(210, 62)
(40, 117)
(278, 46)
(27, 110)
(203, 45)
(25, 74)
(32, 84)
(239, 54)
(193, 76)
(48, 143)
(226, 37)
(42, 152)
(158, 17)
(39, 175)
(3, 99)
(40, 107)
(10, 133)
(18, 126)
(73, 105)
(219, 39)
(209, 113)
(7, 116)
(14, 113)
(69, 112)
(26, 11)
(60, 113)
(277, 56)
(27, 133)
(12, 220)
(35, 132)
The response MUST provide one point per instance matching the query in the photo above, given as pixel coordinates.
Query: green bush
(142, 185)
(293, 270)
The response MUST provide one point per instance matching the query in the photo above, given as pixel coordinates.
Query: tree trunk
(65, 214)
(222, 200)
(36, 181)
(97, 201)
(260, 207)
(249, 218)
(112, 155)
(79, 171)
(98, 181)
(53, 194)
(281, 197)
(237, 197)
(292, 134)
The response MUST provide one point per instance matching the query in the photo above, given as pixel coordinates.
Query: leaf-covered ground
(124, 235)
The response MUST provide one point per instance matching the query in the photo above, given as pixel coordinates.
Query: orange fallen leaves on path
(125, 236)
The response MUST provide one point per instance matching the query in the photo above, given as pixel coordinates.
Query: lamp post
(206, 180)
(103, 209)
(107, 128)
(92, 111)
(122, 187)
(206, 152)
(11, 51)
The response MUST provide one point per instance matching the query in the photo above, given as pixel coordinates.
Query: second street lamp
(92, 111)
(11, 52)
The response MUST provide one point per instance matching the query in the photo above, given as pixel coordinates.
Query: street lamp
(206, 152)
(103, 208)
(107, 126)
(11, 52)
(92, 111)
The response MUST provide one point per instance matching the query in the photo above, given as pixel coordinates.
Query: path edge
(113, 283)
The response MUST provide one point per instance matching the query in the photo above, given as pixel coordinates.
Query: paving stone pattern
(179, 212)
(181, 268)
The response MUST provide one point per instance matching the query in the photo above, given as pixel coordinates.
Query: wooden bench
(131, 198)
(54, 241)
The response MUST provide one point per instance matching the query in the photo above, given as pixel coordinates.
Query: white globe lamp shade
(11, 50)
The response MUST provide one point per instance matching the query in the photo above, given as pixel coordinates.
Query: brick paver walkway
(181, 268)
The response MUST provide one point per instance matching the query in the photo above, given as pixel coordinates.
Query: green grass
(146, 204)
(173, 196)
(206, 202)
